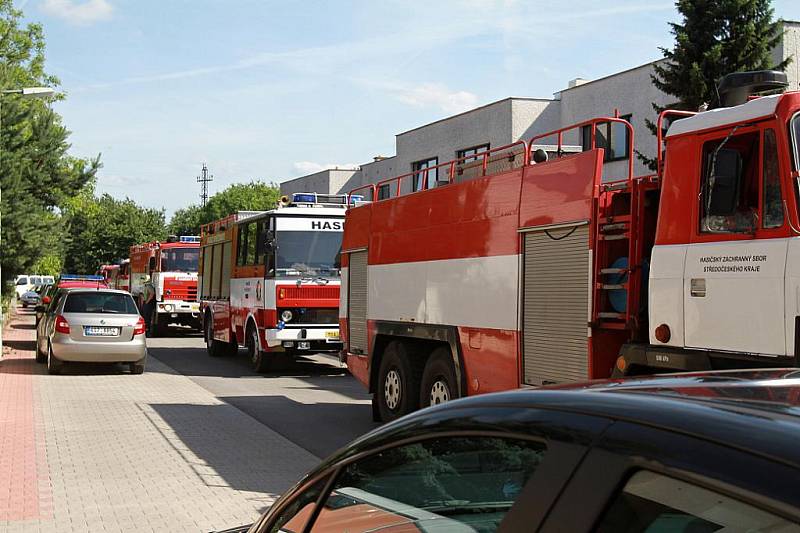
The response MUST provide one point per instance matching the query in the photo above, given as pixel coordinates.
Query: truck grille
(312, 315)
(180, 290)
(310, 293)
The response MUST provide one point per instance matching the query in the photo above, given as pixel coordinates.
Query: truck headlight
(286, 315)
(168, 307)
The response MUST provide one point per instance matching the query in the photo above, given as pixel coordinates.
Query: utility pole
(203, 180)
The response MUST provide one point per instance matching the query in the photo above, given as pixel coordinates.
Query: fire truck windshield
(180, 260)
(304, 253)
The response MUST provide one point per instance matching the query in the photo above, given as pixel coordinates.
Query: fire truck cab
(269, 281)
(515, 268)
(163, 282)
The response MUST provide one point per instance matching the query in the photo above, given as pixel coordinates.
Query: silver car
(91, 326)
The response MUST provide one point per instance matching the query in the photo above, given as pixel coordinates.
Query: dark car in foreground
(697, 452)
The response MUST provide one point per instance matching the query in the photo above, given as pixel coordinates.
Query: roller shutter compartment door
(357, 302)
(555, 305)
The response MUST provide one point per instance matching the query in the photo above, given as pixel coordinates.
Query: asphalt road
(315, 402)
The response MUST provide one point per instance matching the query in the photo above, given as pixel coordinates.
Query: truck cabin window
(180, 260)
(307, 253)
(794, 132)
(729, 194)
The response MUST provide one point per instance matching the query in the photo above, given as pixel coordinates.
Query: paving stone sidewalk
(98, 449)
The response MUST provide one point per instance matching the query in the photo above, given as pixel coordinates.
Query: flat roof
(508, 98)
(320, 172)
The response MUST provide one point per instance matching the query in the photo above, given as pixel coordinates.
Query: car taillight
(62, 326)
(139, 328)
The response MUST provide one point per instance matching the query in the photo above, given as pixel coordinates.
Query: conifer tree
(714, 38)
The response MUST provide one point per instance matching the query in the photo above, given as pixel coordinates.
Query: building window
(385, 191)
(424, 179)
(469, 154)
(613, 137)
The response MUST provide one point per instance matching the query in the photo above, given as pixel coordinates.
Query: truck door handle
(697, 287)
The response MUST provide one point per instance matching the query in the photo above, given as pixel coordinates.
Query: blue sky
(274, 90)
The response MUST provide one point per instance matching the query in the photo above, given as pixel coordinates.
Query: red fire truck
(513, 268)
(163, 281)
(269, 281)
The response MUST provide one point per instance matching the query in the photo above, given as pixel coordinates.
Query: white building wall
(329, 181)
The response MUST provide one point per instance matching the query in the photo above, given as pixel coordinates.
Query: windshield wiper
(446, 508)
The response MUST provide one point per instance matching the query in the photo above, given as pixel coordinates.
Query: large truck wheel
(264, 361)
(438, 379)
(214, 347)
(258, 359)
(398, 383)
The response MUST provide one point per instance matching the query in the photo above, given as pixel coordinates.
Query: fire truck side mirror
(269, 241)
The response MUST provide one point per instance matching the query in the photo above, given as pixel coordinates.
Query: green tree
(36, 174)
(252, 196)
(102, 229)
(186, 221)
(714, 38)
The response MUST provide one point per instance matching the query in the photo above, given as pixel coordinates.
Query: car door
(455, 482)
(639, 479)
(46, 324)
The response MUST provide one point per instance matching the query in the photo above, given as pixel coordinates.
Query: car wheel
(438, 379)
(41, 357)
(137, 367)
(54, 366)
(398, 383)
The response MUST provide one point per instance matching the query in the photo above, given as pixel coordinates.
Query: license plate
(99, 331)
(331, 334)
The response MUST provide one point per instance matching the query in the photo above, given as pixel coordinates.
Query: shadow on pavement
(321, 428)
(23, 326)
(20, 345)
(225, 448)
(191, 361)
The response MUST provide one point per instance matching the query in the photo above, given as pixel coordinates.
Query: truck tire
(438, 379)
(263, 361)
(258, 359)
(398, 383)
(214, 347)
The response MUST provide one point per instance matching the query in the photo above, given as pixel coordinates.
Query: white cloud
(437, 95)
(78, 13)
(309, 167)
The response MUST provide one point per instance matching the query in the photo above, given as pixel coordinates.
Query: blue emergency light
(304, 198)
(189, 238)
(81, 277)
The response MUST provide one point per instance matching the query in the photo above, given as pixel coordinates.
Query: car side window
(293, 517)
(454, 483)
(651, 502)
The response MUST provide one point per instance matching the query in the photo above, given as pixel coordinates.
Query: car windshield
(180, 260)
(100, 302)
(304, 253)
(22, 281)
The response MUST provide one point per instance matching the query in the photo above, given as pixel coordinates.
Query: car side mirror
(45, 300)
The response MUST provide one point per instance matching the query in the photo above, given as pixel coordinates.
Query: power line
(203, 180)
